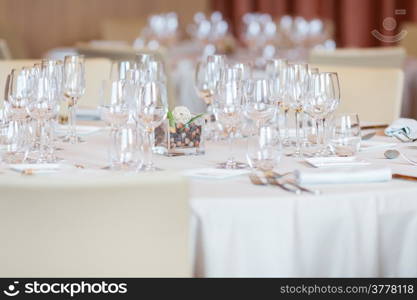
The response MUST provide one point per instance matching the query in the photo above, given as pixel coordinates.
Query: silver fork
(292, 182)
(256, 180)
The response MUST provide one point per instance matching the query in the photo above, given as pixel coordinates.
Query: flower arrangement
(184, 133)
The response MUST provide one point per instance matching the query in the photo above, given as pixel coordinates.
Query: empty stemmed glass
(151, 111)
(228, 108)
(114, 103)
(18, 93)
(277, 74)
(43, 108)
(322, 100)
(73, 88)
(259, 105)
(297, 88)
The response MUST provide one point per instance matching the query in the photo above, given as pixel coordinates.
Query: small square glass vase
(182, 139)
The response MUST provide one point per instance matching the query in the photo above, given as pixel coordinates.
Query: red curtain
(353, 19)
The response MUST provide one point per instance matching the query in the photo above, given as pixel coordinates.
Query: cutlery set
(275, 179)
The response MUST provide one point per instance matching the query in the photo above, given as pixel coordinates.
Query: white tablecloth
(244, 230)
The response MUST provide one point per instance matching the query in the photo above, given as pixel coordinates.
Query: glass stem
(231, 159)
(286, 125)
(147, 148)
(297, 132)
(43, 142)
(318, 136)
(72, 133)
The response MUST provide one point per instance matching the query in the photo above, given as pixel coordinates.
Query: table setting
(281, 184)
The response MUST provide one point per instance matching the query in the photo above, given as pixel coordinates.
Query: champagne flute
(151, 111)
(297, 88)
(277, 74)
(74, 89)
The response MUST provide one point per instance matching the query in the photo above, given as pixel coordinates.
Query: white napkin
(344, 175)
(213, 173)
(327, 162)
(403, 126)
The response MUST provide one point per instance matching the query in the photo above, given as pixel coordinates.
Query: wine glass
(18, 93)
(43, 108)
(74, 89)
(202, 83)
(119, 69)
(259, 105)
(277, 74)
(115, 99)
(228, 108)
(151, 111)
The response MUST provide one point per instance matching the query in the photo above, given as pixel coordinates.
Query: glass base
(73, 139)
(147, 168)
(232, 165)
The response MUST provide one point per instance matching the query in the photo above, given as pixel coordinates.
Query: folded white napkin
(213, 173)
(327, 162)
(403, 126)
(344, 175)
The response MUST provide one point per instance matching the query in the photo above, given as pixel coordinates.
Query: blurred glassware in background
(162, 30)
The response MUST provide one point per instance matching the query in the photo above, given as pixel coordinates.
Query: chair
(96, 70)
(409, 42)
(122, 29)
(374, 93)
(384, 57)
(4, 50)
(116, 226)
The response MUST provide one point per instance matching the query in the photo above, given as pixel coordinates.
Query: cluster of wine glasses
(292, 36)
(33, 96)
(161, 30)
(267, 102)
(133, 103)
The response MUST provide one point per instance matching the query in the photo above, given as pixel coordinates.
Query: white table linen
(239, 229)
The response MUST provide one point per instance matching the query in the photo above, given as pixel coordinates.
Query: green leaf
(195, 118)
(171, 119)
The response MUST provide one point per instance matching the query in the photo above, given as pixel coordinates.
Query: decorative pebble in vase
(181, 134)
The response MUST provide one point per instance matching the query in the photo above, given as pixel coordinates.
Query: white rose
(181, 114)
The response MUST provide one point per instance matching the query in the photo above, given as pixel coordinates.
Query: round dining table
(240, 229)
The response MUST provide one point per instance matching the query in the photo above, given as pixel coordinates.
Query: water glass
(124, 151)
(345, 134)
(264, 150)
